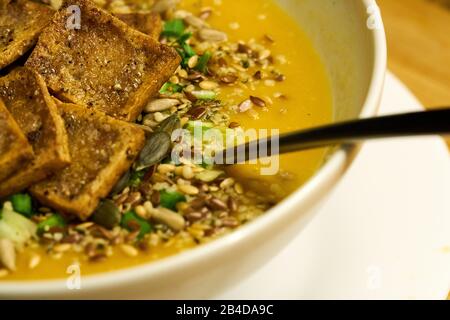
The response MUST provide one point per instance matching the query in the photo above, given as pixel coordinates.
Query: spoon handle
(433, 122)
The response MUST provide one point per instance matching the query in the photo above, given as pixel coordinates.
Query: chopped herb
(245, 64)
(184, 37)
(173, 28)
(204, 94)
(136, 178)
(22, 204)
(188, 50)
(207, 163)
(169, 200)
(170, 88)
(53, 221)
(131, 220)
(202, 64)
(192, 125)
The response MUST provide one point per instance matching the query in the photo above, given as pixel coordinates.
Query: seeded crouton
(105, 64)
(21, 22)
(15, 151)
(102, 150)
(148, 23)
(27, 99)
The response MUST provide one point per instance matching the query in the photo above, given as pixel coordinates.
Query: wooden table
(418, 33)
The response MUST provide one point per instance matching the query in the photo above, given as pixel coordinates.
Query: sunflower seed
(212, 35)
(129, 250)
(195, 21)
(188, 189)
(164, 5)
(161, 105)
(169, 218)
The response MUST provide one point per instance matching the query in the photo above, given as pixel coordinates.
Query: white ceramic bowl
(355, 56)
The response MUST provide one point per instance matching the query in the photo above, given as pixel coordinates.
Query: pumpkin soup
(242, 65)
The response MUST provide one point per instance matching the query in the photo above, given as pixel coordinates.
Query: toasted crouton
(21, 22)
(102, 150)
(148, 23)
(105, 64)
(15, 151)
(27, 99)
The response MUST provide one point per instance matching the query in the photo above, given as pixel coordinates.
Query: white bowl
(355, 56)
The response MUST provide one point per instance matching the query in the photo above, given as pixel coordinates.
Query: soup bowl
(350, 39)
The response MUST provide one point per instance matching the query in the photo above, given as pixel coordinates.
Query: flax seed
(258, 101)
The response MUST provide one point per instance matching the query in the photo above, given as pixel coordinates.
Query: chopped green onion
(184, 37)
(131, 219)
(202, 64)
(169, 88)
(22, 204)
(204, 94)
(55, 220)
(169, 200)
(188, 50)
(173, 28)
(136, 178)
(192, 125)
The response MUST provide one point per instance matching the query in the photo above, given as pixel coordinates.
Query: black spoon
(433, 122)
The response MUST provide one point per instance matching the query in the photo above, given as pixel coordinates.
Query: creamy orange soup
(308, 103)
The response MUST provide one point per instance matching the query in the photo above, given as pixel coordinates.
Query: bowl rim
(329, 174)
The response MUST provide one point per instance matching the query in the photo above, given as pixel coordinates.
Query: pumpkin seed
(169, 125)
(122, 183)
(156, 148)
(107, 214)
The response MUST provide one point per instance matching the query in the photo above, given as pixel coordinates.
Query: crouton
(105, 64)
(26, 97)
(148, 23)
(15, 151)
(21, 22)
(102, 150)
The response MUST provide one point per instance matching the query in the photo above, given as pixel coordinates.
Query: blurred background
(418, 33)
